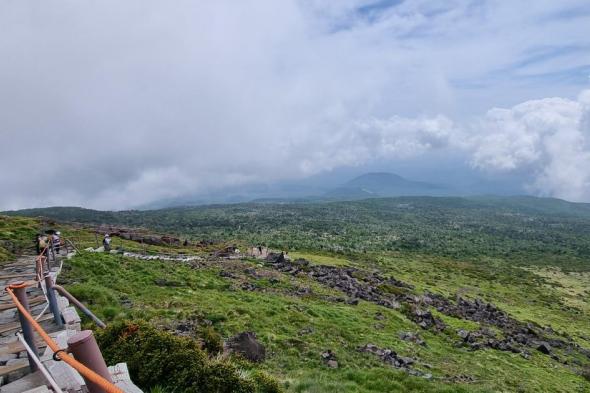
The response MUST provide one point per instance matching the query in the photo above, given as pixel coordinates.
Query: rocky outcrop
(358, 284)
(516, 336)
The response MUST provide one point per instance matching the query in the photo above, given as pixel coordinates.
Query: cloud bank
(114, 105)
(550, 138)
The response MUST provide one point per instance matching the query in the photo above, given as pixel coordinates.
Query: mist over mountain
(353, 184)
(384, 184)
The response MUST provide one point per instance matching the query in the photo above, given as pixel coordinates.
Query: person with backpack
(56, 241)
(43, 245)
(106, 243)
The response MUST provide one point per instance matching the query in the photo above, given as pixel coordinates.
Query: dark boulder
(544, 347)
(246, 344)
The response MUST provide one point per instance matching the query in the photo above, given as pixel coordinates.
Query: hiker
(37, 241)
(106, 242)
(43, 245)
(56, 241)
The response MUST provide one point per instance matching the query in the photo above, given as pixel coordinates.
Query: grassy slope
(277, 317)
(16, 235)
(532, 261)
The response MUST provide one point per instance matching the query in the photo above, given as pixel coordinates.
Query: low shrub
(159, 358)
(212, 341)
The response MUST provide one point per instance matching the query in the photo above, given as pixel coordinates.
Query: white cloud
(113, 104)
(550, 138)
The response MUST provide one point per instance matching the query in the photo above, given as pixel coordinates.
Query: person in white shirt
(106, 242)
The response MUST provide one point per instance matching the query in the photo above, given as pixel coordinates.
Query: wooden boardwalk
(15, 375)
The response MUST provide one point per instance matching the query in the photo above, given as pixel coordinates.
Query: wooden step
(5, 370)
(18, 275)
(16, 325)
(17, 346)
(32, 302)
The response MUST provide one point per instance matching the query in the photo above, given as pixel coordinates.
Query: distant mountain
(384, 184)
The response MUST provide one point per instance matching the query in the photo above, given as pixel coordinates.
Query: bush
(212, 341)
(266, 383)
(158, 358)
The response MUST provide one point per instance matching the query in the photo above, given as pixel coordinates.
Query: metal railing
(82, 345)
(62, 291)
(27, 321)
(40, 366)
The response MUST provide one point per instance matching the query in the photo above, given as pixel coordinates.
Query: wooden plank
(29, 283)
(20, 275)
(17, 346)
(16, 325)
(5, 370)
(32, 302)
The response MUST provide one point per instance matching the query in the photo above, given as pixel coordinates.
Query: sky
(112, 105)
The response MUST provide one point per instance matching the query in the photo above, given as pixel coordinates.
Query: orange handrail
(82, 369)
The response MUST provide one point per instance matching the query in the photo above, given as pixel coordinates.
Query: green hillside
(477, 294)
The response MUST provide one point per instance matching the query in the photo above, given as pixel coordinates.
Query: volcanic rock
(248, 346)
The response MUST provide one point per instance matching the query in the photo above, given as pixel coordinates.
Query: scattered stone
(304, 331)
(302, 291)
(462, 378)
(329, 358)
(389, 356)
(544, 347)
(332, 364)
(226, 274)
(251, 271)
(248, 346)
(425, 319)
(412, 337)
(249, 287)
(525, 355)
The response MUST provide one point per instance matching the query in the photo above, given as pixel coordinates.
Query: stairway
(15, 374)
